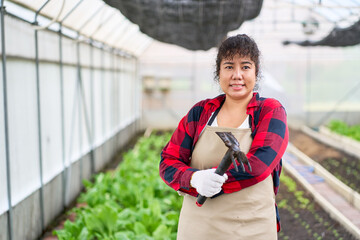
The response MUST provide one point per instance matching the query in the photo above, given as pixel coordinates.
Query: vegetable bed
(342, 128)
(132, 202)
(343, 166)
(302, 218)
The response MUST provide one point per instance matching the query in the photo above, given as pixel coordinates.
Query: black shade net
(192, 24)
(338, 37)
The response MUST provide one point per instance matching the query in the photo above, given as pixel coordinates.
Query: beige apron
(246, 214)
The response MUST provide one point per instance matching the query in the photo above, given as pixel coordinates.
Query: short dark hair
(240, 44)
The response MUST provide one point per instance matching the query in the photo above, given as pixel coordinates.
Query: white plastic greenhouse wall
(74, 97)
(71, 105)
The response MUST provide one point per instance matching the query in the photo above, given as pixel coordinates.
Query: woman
(242, 204)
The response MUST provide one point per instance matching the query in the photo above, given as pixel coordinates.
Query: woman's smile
(237, 86)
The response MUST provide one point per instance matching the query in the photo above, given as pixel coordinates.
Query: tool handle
(221, 169)
(200, 200)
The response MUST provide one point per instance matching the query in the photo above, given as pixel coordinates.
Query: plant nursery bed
(343, 166)
(132, 202)
(302, 218)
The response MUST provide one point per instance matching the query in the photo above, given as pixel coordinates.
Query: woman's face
(237, 77)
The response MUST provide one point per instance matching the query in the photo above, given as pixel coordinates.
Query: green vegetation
(346, 170)
(342, 128)
(131, 202)
(302, 209)
(290, 184)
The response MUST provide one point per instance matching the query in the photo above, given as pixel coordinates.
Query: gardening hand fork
(229, 157)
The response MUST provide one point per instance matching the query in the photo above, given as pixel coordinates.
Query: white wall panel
(69, 50)
(85, 111)
(50, 121)
(19, 38)
(107, 59)
(117, 103)
(96, 57)
(98, 109)
(85, 54)
(106, 81)
(114, 94)
(112, 97)
(115, 106)
(23, 129)
(120, 79)
(48, 45)
(123, 99)
(127, 95)
(71, 105)
(4, 205)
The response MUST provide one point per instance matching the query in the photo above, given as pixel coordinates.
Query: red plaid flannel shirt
(270, 138)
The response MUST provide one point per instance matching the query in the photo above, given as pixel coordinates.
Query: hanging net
(338, 37)
(192, 24)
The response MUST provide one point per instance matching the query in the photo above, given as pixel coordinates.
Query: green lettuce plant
(342, 128)
(131, 202)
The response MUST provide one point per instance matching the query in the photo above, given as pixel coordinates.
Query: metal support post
(62, 109)
(90, 130)
(84, 107)
(92, 157)
(138, 96)
(116, 96)
(308, 85)
(39, 128)
(121, 79)
(42, 217)
(140, 100)
(112, 97)
(78, 67)
(134, 74)
(6, 129)
(68, 168)
(102, 100)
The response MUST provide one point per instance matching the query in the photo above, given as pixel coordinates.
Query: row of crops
(131, 202)
(342, 128)
(345, 168)
(302, 217)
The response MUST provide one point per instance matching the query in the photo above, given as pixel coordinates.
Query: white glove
(207, 182)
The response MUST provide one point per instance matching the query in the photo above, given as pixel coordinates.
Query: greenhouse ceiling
(198, 24)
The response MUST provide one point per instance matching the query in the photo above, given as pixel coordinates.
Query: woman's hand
(207, 182)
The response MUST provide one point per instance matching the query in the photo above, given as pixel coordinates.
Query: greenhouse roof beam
(71, 11)
(96, 12)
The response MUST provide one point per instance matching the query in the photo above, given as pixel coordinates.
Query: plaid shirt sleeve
(270, 139)
(174, 166)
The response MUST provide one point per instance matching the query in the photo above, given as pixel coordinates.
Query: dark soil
(310, 221)
(307, 221)
(343, 166)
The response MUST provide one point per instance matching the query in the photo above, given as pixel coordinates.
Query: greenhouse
(109, 107)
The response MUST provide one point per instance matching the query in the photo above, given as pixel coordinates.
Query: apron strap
(215, 114)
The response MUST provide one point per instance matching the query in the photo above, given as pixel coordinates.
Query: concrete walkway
(332, 202)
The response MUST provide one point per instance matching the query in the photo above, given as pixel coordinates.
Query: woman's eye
(246, 67)
(228, 67)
